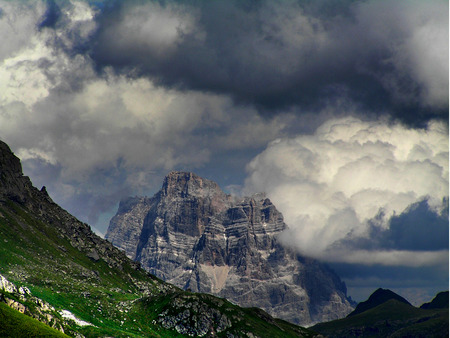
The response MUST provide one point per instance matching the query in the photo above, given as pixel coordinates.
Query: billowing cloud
(94, 138)
(352, 179)
(100, 99)
(385, 54)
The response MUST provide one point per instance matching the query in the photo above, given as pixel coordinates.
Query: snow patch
(66, 314)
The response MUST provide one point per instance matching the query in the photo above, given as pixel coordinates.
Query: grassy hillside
(15, 324)
(106, 289)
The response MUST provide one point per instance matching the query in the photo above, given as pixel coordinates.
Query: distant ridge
(380, 296)
(394, 317)
(438, 302)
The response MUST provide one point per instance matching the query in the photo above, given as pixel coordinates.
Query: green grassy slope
(120, 300)
(15, 324)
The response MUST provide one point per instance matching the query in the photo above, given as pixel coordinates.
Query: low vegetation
(117, 301)
(15, 324)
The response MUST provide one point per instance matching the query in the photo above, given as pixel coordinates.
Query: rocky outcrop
(21, 299)
(13, 184)
(126, 227)
(197, 237)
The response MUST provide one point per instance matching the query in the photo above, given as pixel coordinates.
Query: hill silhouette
(380, 296)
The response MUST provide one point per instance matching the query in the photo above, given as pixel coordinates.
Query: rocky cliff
(55, 269)
(197, 237)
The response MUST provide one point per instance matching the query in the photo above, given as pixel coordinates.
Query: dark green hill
(380, 296)
(392, 318)
(438, 302)
(56, 264)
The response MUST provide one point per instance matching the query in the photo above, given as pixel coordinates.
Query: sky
(338, 110)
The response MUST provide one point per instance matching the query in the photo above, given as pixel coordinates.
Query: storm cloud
(352, 179)
(418, 228)
(370, 198)
(338, 110)
(279, 54)
(94, 138)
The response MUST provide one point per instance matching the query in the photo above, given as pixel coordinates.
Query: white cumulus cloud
(330, 184)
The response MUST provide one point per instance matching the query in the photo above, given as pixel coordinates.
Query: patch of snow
(66, 314)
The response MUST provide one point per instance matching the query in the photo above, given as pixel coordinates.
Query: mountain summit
(195, 236)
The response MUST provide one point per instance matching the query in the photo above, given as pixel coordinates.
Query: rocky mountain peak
(45, 248)
(183, 184)
(10, 166)
(13, 184)
(197, 237)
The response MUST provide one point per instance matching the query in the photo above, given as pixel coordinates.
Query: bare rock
(197, 237)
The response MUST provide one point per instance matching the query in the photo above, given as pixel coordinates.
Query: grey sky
(338, 110)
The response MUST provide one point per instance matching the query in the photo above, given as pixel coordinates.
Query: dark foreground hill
(55, 269)
(380, 296)
(394, 317)
(438, 302)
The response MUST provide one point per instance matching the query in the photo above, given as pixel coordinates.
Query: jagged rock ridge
(197, 237)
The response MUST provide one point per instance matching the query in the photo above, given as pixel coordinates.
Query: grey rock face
(28, 213)
(13, 184)
(197, 237)
(126, 226)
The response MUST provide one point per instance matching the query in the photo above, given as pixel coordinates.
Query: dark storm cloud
(92, 138)
(419, 228)
(101, 99)
(51, 15)
(395, 274)
(282, 54)
(417, 284)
